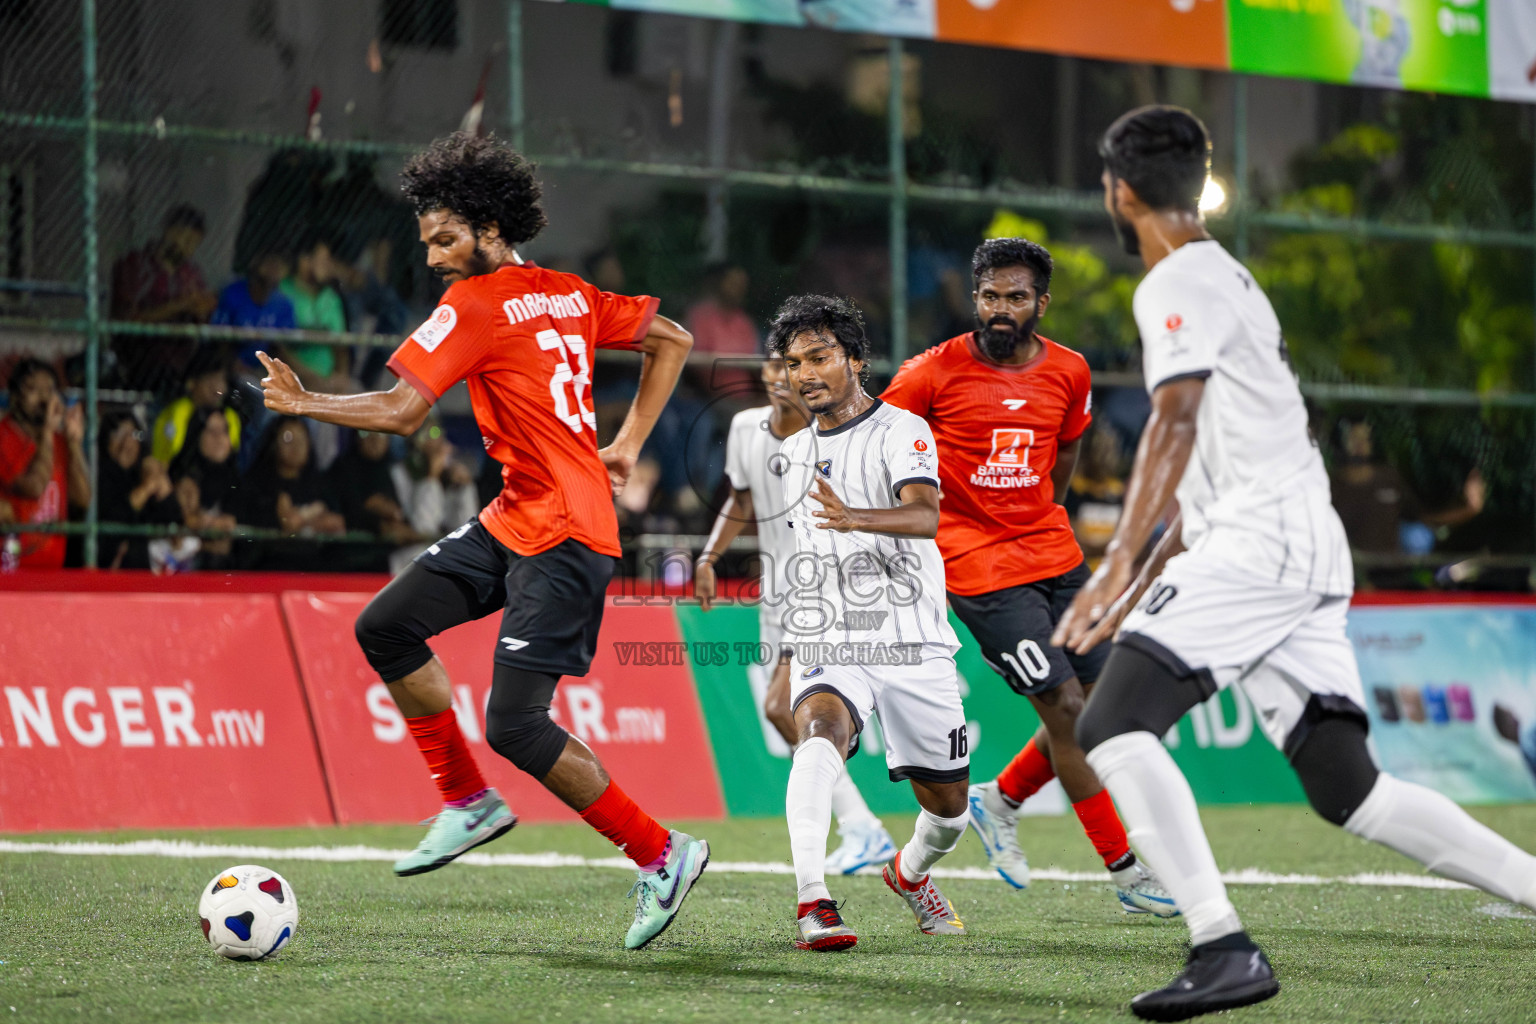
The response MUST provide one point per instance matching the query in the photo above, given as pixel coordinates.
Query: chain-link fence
(182, 184)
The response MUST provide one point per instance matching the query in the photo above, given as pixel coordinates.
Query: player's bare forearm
(34, 481)
(917, 516)
(1066, 465)
(1161, 457)
(735, 514)
(79, 476)
(666, 347)
(401, 410)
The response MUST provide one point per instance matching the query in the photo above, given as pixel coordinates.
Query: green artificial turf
(115, 938)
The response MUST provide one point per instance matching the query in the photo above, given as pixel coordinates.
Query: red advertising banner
(644, 721)
(1192, 33)
(152, 711)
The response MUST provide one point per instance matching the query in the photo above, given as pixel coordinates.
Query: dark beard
(477, 264)
(1001, 345)
(1125, 231)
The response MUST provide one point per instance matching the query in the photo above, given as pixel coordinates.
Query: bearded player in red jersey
(1009, 409)
(543, 551)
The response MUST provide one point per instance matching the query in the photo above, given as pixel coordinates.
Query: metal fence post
(896, 128)
(92, 273)
(515, 72)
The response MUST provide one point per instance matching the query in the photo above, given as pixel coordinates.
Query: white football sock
(1158, 808)
(932, 838)
(1430, 828)
(848, 804)
(808, 806)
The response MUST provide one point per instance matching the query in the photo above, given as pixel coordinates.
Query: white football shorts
(1281, 644)
(919, 707)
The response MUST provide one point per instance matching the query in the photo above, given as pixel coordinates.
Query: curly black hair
(1163, 153)
(996, 253)
(482, 180)
(839, 317)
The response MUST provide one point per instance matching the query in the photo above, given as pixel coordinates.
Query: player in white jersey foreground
(1252, 590)
(756, 469)
(866, 616)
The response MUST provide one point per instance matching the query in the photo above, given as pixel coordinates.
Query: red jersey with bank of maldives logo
(998, 429)
(523, 338)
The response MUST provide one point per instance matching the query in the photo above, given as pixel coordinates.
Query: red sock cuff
(446, 752)
(1097, 813)
(629, 828)
(1025, 774)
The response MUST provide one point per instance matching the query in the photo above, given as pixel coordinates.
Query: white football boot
(996, 824)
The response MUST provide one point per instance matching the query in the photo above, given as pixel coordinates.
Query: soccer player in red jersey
(1009, 409)
(542, 552)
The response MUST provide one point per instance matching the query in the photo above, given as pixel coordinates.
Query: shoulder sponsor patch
(437, 328)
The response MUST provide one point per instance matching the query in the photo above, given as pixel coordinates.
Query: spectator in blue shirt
(255, 299)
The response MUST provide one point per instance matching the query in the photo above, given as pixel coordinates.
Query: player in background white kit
(756, 470)
(866, 616)
(1253, 589)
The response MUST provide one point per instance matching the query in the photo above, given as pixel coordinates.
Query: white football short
(919, 707)
(770, 630)
(1280, 643)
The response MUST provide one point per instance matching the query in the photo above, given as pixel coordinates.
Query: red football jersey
(17, 449)
(998, 429)
(522, 337)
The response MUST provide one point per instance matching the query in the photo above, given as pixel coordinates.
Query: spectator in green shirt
(317, 306)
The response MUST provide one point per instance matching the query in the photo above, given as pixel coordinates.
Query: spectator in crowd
(285, 489)
(1381, 514)
(206, 476)
(205, 388)
(439, 490)
(373, 304)
(317, 306)
(134, 488)
(43, 468)
(366, 484)
(160, 284)
(719, 324)
(257, 300)
(1097, 493)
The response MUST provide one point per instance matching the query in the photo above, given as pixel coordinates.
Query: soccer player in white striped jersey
(865, 616)
(756, 469)
(1251, 590)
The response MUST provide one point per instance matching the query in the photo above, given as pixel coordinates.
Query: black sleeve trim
(1191, 375)
(896, 487)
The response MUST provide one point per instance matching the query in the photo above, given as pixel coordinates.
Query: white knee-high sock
(1430, 828)
(808, 806)
(1158, 808)
(932, 838)
(848, 803)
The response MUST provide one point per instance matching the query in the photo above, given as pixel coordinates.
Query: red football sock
(1102, 824)
(1025, 774)
(442, 744)
(629, 828)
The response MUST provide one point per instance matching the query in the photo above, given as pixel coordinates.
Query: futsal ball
(248, 912)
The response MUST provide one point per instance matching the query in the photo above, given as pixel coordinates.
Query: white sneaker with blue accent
(1140, 892)
(996, 824)
(864, 844)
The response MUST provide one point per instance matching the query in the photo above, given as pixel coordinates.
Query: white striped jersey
(1255, 494)
(855, 588)
(753, 463)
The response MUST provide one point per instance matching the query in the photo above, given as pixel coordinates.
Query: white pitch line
(183, 850)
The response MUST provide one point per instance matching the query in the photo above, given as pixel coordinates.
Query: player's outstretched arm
(666, 348)
(401, 410)
(916, 516)
(1165, 447)
(737, 512)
